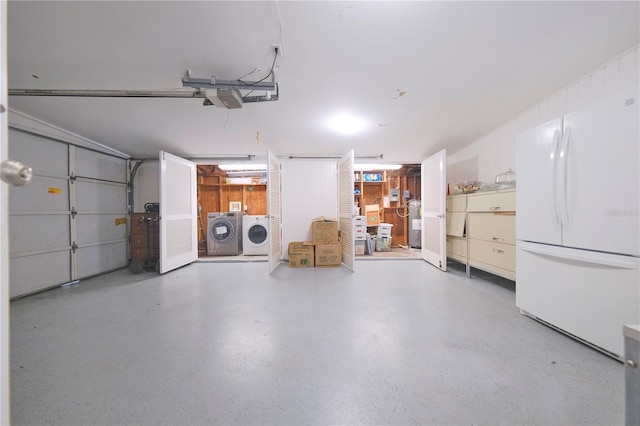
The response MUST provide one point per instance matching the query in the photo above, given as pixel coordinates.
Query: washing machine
(255, 235)
(224, 234)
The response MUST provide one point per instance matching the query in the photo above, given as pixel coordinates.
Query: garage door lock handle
(15, 173)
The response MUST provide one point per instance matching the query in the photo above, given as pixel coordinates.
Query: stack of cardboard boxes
(324, 248)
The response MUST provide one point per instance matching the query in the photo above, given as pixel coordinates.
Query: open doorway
(232, 212)
(389, 199)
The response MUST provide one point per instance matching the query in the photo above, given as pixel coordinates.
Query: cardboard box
(372, 213)
(328, 255)
(324, 231)
(239, 180)
(301, 255)
(383, 244)
(360, 246)
(373, 218)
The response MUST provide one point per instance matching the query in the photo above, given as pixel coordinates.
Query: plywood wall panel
(255, 198)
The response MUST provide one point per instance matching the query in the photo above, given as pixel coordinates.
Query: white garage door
(71, 222)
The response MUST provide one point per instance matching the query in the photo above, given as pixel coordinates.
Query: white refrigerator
(578, 222)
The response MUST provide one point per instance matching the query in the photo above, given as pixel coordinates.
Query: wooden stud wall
(214, 195)
(397, 213)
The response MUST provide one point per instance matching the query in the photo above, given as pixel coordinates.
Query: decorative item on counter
(506, 179)
(468, 187)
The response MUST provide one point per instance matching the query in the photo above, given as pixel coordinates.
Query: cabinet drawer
(457, 246)
(456, 203)
(492, 227)
(492, 201)
(456, 223)
(500, 255)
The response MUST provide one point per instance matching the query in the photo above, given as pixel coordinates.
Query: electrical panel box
(406, 194)
(394, 194)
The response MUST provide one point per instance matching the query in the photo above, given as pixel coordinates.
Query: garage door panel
(100, 197)
(28, 274)
(44, 156)
(99, 228)
(43, 194)
(98, 259)
(42, 229)
(95, 165)
(29, 233)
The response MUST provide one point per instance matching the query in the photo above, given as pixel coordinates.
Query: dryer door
(222, 230)
(257, 234)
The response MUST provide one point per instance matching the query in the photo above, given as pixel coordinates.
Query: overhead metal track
(210, 84)
(213, 83)
(106, 93)
(204, 88)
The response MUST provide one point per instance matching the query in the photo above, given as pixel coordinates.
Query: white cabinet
(491, 232)
(481, 231)
(456, 228)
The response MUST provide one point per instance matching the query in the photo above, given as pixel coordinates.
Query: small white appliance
(577, 198)
(255, 235)
(224, 233)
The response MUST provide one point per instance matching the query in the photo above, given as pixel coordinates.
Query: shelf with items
(385, 192)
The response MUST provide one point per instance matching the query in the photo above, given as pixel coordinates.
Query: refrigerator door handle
(554, 170)
(596, 258)
(562, 178)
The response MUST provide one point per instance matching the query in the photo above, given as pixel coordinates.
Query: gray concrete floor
(396, 343)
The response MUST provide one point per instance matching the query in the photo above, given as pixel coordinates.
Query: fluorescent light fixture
(243, 166)
(346, 124)
(371, 167)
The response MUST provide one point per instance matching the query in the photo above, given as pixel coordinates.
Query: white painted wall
(146, 185)
(495, 152)
(309, 190)
(4, 229)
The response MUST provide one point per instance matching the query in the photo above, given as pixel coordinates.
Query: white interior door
(4, 227)
(434, 171)
(274, 210)
(345, 209)
(178, 212)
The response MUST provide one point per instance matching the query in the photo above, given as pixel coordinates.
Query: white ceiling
(466, 68)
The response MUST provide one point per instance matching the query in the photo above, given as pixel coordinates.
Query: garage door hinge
(72, 177)
(74, 247)
(74, 212)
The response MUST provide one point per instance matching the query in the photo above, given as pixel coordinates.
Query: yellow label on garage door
(56, 191)
(121, 221)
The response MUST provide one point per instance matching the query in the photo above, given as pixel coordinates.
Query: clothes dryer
(255, 232)
(224, 234)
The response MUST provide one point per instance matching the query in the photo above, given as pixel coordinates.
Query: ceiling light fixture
(346, 124)
(242, 166)
(371, 167)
